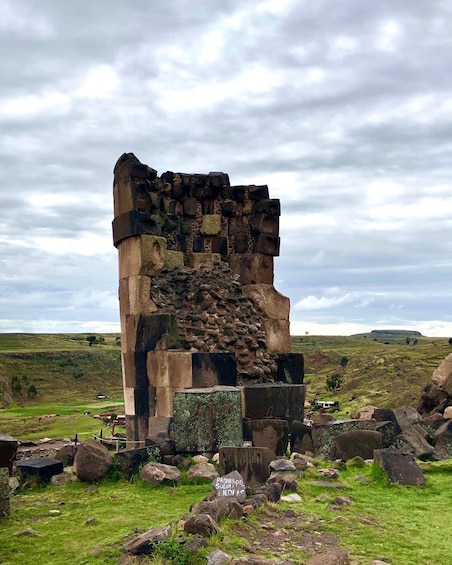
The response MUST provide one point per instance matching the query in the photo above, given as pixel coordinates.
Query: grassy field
(93, 522)
(68, 374)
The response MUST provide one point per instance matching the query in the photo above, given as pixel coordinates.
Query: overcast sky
(344, 108)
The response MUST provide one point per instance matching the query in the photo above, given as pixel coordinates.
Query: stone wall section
(195, 276)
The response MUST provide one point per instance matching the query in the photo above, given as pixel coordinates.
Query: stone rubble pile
(213, 315)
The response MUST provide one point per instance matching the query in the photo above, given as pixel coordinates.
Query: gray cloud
(342, 108)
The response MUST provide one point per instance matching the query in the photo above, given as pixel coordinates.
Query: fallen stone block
(41, 467)
(323, 435)
(271, 433)
(251, 462)
(400, 468)
(8, 449)
(357, 443)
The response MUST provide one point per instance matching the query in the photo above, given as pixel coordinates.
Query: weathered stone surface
(61, 479)
(66, 455)
(230, 485)
(357, 443)
(169, 368)
(141, 255)
(268, 301)
(301, 437)
(206, 419)
(219, 508)
(157, 473)
(432, 400)
(251, 462)
(202, 524)
(448, 413)
(274, 400)
(443, 442)
(387, 431)
(266, 244)
(213, 369)
(282, 466)
(197, 260)
(41, 467)
(8, 449)
(134, 224)
(92, 460)
(4, 493)
(218, 557)
(271, 433)
(406, 416)
(151, 331)
(278, 335)
(417, 443)
(211, 224)
(289, 368)
(202, 471)
(386, 414)
(365, 413)
(128, 461)
(335, 556)
(271, 490)
(323, 435)
(144, 543)
(442, 376)
(252, 268)
(400, 468)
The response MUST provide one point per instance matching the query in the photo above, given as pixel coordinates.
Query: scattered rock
(336, 556)
(144, 543)
(218, 557)
(156, 473)
(293, 497)
(92, 460)
(202, 524)
(202, 471)
(26, 532)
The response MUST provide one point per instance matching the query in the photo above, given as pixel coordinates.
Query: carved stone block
(134, 223)
(252, 268)
(278, 335)
(268, 302)
(167, 368)
(141, 255)
(212, 369)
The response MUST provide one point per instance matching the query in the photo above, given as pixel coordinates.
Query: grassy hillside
(60, 367)
(65, 368)
(383, 374)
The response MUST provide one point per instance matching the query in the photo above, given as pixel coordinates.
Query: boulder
(202, 471)
(448, 413)
(271, 490)
(407, 415)
(219, 508)
(66, 455)
(323, 435)
(156, 473)
(365, 413)
(357, 443)
(443, 442)
(400, 468)
(230, 485)
(143, 544)
(202, 524)
(218, 557)
(417, 443)
(92, 460)
(442, 376)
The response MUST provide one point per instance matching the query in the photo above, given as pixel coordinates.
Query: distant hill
(43, 368)
(391, 336)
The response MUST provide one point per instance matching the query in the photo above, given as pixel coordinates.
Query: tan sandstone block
(129, 401)
(164, 401)
(195, 260)
(268, 301)
(171, 369)
(141, 255)
(211, 224)
(135, 295)
(252, 268)
(278, 336)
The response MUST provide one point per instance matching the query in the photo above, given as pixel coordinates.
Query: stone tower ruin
(204, 333)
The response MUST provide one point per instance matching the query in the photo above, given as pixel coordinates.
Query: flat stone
(357, 443)
(251, 462)
(400, 468)
(44, 468)
(230, 485)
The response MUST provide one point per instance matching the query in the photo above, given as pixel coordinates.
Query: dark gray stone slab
(357, 443)
(42, 467)
(230, 485)
(4, 493)
(323, 435)
(290, 368)
(400, 468)
(275, 400)
(251, 462)
(271, 433)
(213, 369)
(8, 449)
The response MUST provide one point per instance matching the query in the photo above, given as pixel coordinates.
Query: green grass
(27, 423)
(398, 522)
(118, 509)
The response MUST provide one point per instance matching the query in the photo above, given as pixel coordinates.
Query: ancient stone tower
(198, 308)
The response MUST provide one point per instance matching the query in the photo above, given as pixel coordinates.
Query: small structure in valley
(204, 334)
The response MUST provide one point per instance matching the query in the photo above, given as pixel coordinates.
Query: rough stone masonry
(198, 308)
